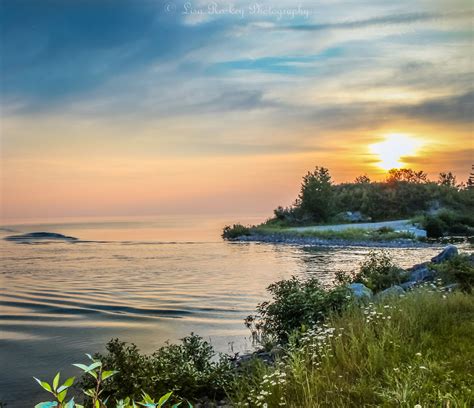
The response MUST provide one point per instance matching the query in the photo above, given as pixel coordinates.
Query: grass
(349, 234)
(417, 349)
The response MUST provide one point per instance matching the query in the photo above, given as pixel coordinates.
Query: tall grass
(417, 349)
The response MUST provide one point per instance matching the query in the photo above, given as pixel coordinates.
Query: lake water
(145, 281)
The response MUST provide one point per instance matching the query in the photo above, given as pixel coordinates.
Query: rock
(360, 291)
(394, 290)
(408, 285)
(449, 252)
(350, 216)
(450, 287)
(421, 273)
(38, 236)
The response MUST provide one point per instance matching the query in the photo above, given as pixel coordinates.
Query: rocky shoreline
(312, 241)
(418, 275)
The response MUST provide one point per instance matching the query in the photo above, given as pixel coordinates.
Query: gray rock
(421, 273)
(360, 291)
(450, 287)
(449, 252)
(408, 285)
(394, 290)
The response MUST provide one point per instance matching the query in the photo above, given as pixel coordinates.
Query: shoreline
(287, 239)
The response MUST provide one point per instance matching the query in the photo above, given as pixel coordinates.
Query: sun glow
(393, 149)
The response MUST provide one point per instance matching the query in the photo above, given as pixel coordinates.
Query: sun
(392, 150)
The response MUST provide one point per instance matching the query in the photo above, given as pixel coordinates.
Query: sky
(141, 107)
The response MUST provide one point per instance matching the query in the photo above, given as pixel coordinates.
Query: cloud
(393, 19)
(454, 109)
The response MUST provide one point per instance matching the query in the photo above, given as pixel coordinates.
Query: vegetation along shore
(406, 209)
(380, 336)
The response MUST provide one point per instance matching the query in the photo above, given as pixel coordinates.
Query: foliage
(295, 303)
(235, 231)
(188, 369)
(433, 226)
(95, 394)
(404, 194)
(459, 269)
(378, 272)
(315, 198)
(448, 223)
(406, 352)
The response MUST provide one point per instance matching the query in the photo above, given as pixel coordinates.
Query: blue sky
(148, 81)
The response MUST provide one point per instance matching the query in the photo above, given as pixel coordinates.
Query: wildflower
(423, 368)
(417, 406)
(418, 354)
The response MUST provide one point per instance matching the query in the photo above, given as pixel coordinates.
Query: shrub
(94, 394)
(189, 369)
(378, 272)
(235, 231)
(434, 227)
(459, 269)
(296, 303)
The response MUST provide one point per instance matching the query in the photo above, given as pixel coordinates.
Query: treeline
(405, 193)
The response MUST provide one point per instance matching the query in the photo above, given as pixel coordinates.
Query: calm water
(145, 281)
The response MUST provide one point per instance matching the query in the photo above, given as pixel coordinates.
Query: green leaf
(177, 405)
(70, 404)
(164, 398)
(44, 384)
(97, 404)
(90, 392)
(48, 404)
(62, 395)
(67, 384)
(107, 374)
(93, 366)
(56, 381)
(83, 367)
(89, 357)
(147, 398)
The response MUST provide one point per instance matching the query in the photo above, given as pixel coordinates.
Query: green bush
(434, 227)
(378, 272)
(190, 369)
(448, 223)
(295, 303)
(459, 269)
(235, 231)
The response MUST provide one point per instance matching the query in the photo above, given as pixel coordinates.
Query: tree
(362, 179)
(470, 180)
(447, 179)
(407, 175)
(316, 195)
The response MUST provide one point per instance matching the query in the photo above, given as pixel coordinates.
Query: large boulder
(446, 254)
(360, 291)
(421, 273)
(394, 290)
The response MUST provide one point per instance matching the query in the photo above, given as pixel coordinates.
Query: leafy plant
(189, 369)
(59, 393)
(378, 272)
(99, 376)
(295, 303)
(235, 231)
(459, 269)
